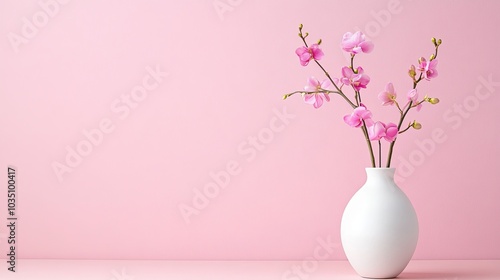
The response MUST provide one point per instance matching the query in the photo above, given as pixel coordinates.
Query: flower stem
(436, 53)
(369, 143)
(418, 80)
(309, 92)
(399, 108)
(402, 131)
(379, 154)
(391, 147)
(358, 94)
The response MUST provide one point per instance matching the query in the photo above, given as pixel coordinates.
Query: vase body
(379, 228)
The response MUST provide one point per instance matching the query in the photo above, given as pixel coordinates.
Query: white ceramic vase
(379, 227)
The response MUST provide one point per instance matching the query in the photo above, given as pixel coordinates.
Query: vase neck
(380, 175)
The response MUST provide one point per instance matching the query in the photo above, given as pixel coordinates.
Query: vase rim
(382, 168)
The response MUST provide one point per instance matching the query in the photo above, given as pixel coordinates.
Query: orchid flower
(388, 97)
(379, 130)
(356, 118)
(428, 68)
(355, 43)
(316, 98)
(357, 80)
(307, 53)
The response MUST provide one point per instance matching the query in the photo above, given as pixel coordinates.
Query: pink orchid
(413, 97)
(428, 68)
(316, 98)
(306, 54)
(376, 131)
(355, 43)
(388, 97)
(357, 80)
(391, 132)
(356, 118)
(380, 130)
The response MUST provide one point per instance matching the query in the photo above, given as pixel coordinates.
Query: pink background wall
(86, 66)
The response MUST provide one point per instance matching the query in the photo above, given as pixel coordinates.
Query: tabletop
(234, 270)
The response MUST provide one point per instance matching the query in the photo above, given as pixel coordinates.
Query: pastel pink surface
(222, 270)
(219, 109)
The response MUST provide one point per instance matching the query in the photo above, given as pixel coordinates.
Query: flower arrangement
(317, 92)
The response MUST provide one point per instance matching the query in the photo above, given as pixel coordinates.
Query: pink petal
(360, 81)
(384, 97)
(371, 134)
(362, 112)
(356, 50)
(299, 51)
(366, 115)
(366, 46)
(423, 64)
(357, 37)
(347, 72)
(364, 80)
(317, 53)
(431, 74)
(368, 122)
(389, 88)
(347, 42)
(352, 120)
(347, 120)
(310, 88)
(376, 131)
(326, 84)
(325, 96)
(391, 132)
(433, 64)
(305, 56)
(319, 101)
(345, 81)
(310, 98)
(313, 83)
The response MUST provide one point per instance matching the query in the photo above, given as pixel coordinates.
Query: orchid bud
(439, 42)
(285, 96)
(432, 57)
(416, 125)
(433, 100)
(434, 41)
(412, 72)
(319, 41)
(300, 26)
